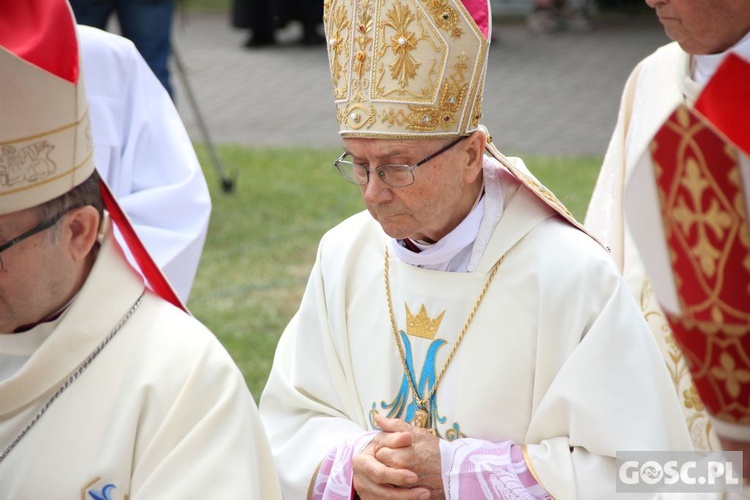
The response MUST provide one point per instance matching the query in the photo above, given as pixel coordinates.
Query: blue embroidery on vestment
(399, 408)
(104, 494)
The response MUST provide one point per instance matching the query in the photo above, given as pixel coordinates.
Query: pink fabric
(473, 468)
(335, 476)
(480, 12)
(41, 32)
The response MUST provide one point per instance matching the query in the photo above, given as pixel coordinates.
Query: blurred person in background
(265, 17)
(671, 202)
(463, 337)
(258, 16)
(144, 153)
(550, 16)
(148, 23)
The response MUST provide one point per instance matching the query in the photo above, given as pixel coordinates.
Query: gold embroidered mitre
(422, 325)
(407, 68)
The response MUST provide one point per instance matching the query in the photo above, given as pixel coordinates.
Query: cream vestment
(161, 412)
(558, 356)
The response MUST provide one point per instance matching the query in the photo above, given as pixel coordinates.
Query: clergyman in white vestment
(463, 337)
(625, 209)
(107, 391)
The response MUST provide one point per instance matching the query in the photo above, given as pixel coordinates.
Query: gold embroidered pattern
(704, 217)
(698, 424)
(427, 118)
(338, 50)
(732, 375)
(454, 433)
(477, 116)
(546, 193)
(692, 400)
(401, 68)
(422, 325)
(403, 42)
(362, 42)
(706, 222)
(722, 368)
(358, 113)
(712, 218)
(401, 35)
(445, 16)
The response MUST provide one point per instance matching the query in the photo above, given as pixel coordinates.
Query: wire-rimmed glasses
(393, 175)
(31, 232)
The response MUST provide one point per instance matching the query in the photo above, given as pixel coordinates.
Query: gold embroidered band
(405, 68)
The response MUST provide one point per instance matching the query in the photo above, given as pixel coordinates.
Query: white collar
(439, 255)
(704, 66)
(460, 250)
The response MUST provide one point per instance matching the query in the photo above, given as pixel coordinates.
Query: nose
(654, 3)
(376, 191)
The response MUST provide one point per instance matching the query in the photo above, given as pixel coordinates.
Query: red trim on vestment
(148, 267)
(725, 101)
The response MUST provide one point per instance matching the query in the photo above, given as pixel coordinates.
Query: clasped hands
(401, 462)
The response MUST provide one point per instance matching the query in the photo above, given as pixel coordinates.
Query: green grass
(571, 179)
(263, 237)
(217, 5)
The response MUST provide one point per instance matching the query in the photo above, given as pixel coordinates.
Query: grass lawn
(263, 237)
(220, 5)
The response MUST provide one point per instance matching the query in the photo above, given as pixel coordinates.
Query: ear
(80, 231)
(475, 144)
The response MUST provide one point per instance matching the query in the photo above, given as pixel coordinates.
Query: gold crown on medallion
(422, 325)
(407, 68)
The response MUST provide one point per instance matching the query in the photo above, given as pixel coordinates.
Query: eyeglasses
(31, 232)
(393, 175)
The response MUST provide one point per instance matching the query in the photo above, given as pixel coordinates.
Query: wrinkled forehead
(384, 148)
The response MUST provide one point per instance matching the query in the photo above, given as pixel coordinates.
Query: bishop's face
(32, 272)
(443, 191)
(704, 26)
(45, 262)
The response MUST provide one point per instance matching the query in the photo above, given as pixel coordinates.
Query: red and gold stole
(696, 158)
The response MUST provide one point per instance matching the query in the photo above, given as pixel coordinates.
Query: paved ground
(547, 94)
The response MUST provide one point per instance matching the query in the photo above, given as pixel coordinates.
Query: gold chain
(421, 417)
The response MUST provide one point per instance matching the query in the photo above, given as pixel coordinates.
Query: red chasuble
(704, 212)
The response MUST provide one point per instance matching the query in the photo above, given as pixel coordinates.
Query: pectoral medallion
(421, 417)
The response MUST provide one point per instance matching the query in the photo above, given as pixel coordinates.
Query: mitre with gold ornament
(407, 68)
